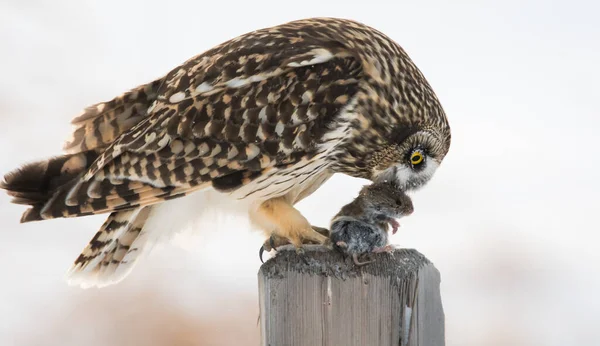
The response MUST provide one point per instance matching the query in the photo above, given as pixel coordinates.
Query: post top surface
(319, 260)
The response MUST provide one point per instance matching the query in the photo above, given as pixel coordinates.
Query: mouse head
(385, 200)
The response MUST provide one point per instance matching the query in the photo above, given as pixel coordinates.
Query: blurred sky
(510, 219)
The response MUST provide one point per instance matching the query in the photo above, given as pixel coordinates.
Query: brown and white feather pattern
(100, 124)
(113, 251)
(273, 112)
(225, 138)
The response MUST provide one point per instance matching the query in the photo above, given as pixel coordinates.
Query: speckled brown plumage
(269, 114)
(100, 124)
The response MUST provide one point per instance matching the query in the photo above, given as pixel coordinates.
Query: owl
(263, 120)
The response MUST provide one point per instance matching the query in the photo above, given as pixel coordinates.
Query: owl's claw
(275, 241)
(271, 244)
(270, 247)
(300, 251)
(322, 231)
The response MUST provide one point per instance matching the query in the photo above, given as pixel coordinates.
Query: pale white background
(510, 219)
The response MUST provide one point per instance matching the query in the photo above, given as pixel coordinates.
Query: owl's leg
(287, 225)
(275, 241)
(322, 230)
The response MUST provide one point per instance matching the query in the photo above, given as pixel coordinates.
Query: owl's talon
(310, 235)
(328, 244)
(321, 230)
(271, 244)
(260, 253)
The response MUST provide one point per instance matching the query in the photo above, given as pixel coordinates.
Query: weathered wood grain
(326, 300)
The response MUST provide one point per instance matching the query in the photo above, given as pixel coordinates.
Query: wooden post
(326, 300)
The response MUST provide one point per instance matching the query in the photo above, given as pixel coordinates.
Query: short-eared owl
(265, 118)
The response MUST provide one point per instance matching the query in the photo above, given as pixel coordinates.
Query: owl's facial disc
(412, 172)
(412, 160)
(411, 178)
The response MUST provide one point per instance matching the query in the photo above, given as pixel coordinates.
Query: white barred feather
(113, 252)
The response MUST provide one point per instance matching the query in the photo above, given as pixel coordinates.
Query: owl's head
(412, 159)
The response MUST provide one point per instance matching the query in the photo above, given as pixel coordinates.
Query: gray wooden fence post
(326, 300)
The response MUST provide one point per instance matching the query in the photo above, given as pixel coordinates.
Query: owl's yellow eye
(416, 157)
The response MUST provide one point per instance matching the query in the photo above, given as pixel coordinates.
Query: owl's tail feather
(35, 183)
(113, 251)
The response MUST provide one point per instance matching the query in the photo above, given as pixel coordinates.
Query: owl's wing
(220, 119)
(100, 124)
